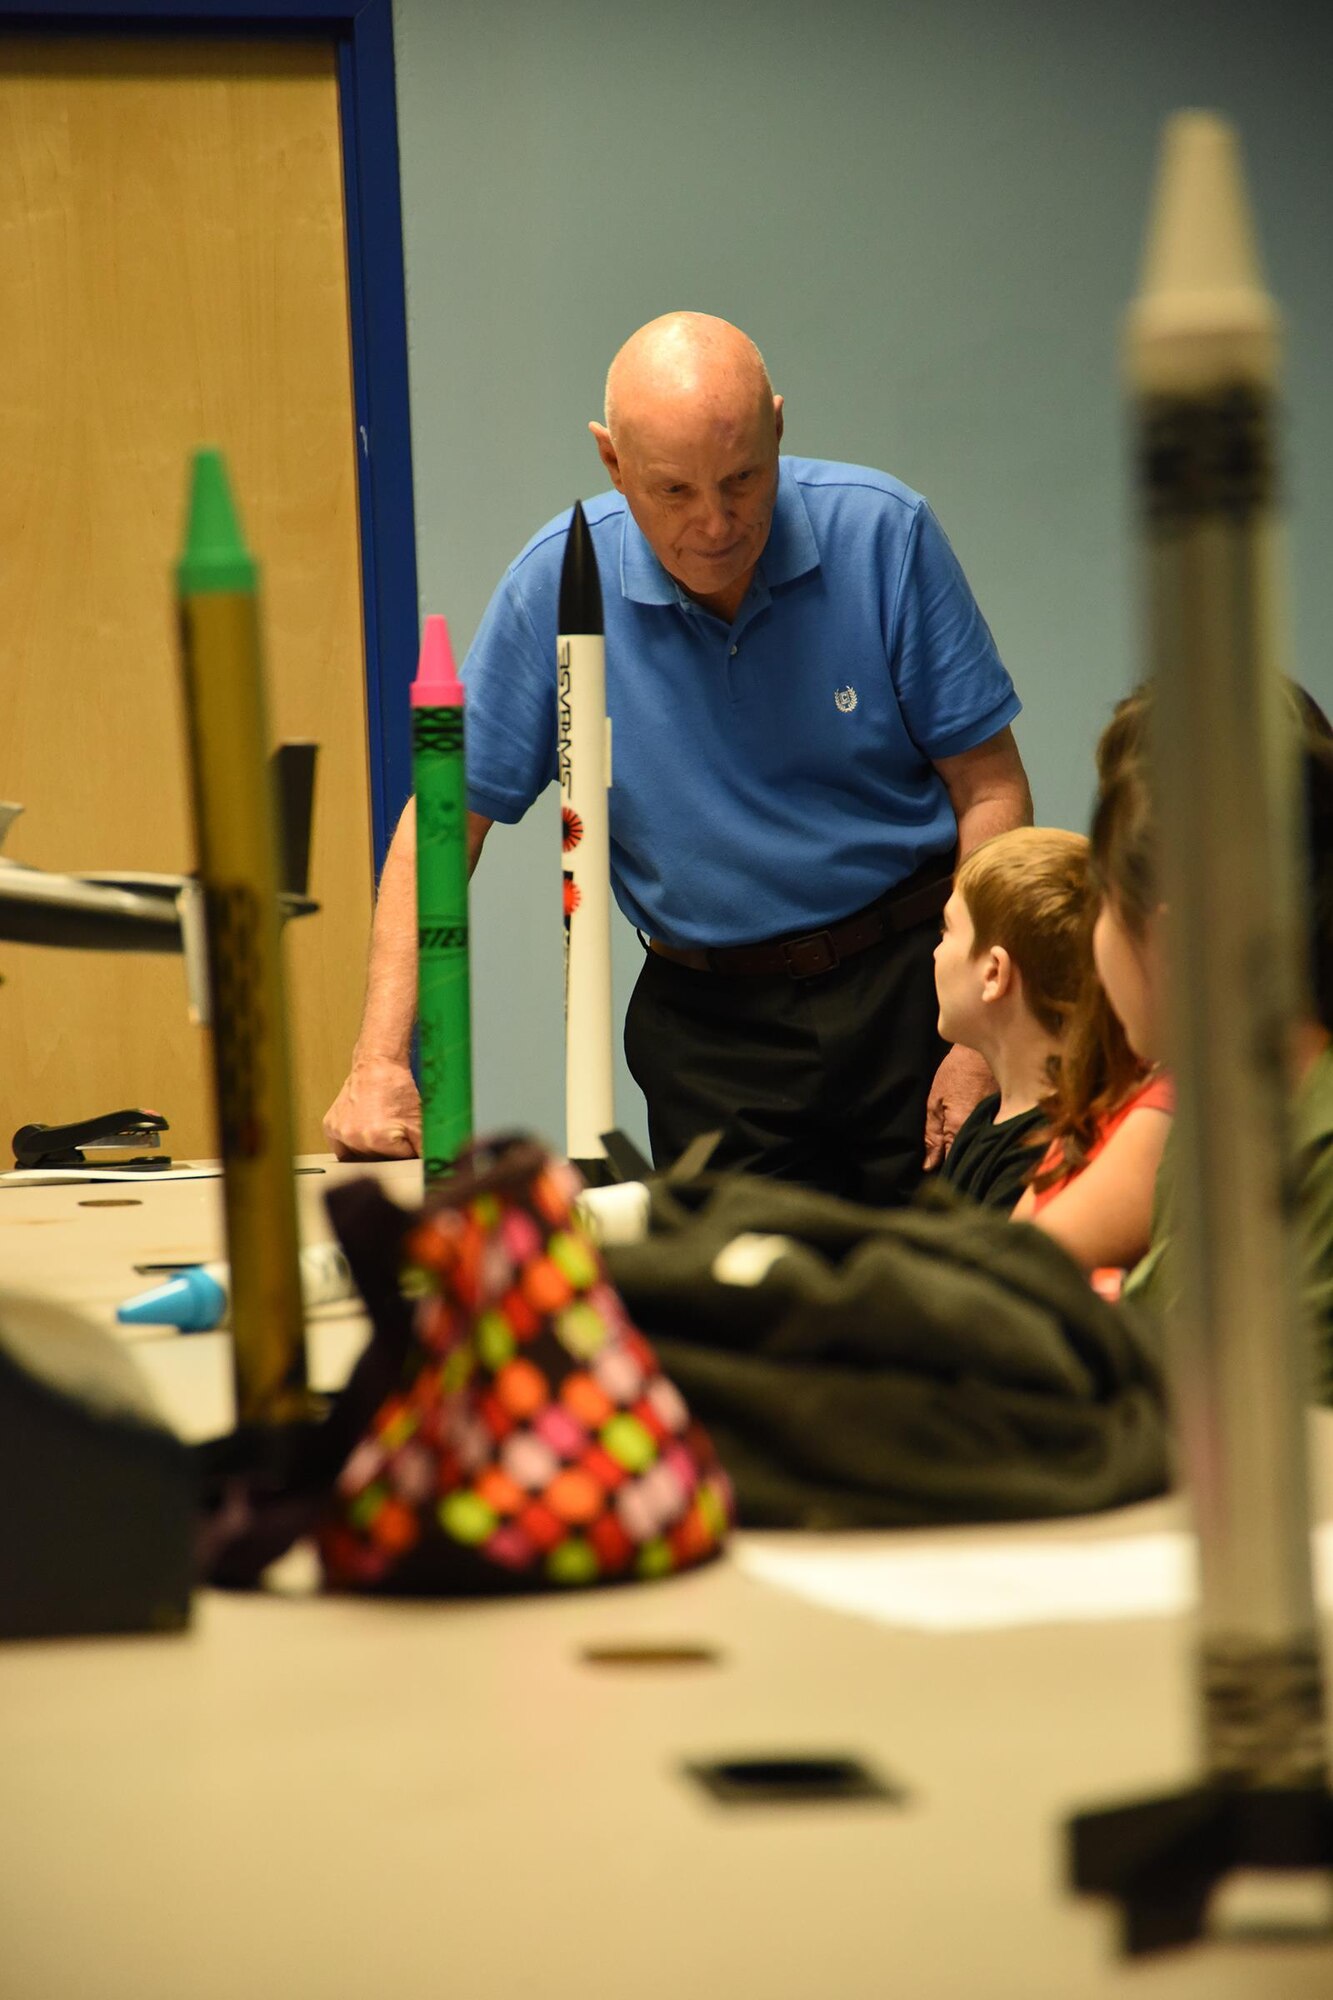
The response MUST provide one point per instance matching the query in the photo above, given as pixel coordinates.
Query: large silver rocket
(1202, 343)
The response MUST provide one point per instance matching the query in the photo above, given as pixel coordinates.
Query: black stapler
(48, 1146)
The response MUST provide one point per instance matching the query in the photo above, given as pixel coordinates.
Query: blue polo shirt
(769, 776)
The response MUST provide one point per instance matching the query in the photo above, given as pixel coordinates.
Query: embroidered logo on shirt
(845, 699)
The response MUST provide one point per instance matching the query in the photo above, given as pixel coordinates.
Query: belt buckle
(809, 955)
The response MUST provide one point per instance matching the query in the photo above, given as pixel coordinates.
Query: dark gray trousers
(822, 1081)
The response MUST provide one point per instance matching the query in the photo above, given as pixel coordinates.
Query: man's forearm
(988, 790)
(391, 981)
(985, 817)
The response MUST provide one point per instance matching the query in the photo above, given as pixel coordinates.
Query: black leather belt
(921, 897)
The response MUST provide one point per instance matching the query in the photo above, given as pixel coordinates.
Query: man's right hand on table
(377, 1113)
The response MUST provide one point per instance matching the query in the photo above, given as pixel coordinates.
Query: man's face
(702, 493)
(958, 975)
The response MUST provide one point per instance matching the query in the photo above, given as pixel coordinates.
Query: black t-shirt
(991, 1162)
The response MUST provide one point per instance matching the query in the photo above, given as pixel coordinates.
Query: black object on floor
(98, 1497)
(1162, 1858)
(790, 1777)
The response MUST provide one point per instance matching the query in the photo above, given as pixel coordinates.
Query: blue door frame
(362, 31)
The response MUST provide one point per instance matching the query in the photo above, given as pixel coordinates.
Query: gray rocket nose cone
(580, 585)
(1202, 319)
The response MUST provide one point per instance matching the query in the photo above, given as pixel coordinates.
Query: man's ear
(997, 973)
(606, 451)
(777, 417)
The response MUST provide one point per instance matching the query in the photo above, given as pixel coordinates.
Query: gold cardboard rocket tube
(234, 816)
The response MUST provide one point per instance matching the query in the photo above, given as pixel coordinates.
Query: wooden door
(172, 273)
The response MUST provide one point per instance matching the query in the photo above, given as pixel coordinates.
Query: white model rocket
(584, 738)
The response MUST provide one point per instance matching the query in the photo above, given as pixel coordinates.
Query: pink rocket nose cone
(437, 683)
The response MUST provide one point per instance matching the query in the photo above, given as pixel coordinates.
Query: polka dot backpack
(522, 1434)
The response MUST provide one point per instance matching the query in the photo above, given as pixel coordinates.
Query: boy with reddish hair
(1011, 963)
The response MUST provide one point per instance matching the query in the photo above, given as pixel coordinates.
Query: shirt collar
(790, 551)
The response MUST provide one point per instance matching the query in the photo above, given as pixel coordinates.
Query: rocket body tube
(615, 1215)
(234, 814)
(1202, 349)
(444, 1007)
(584, 740)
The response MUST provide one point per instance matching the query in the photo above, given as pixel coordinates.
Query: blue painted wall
(930, 219)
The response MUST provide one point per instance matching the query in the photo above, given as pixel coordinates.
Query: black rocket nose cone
(580, 585)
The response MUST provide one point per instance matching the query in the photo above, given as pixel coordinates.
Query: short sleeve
(952, 687)
(1157, 1094)
(510, 680)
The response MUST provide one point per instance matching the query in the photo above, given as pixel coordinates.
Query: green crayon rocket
(235, 832)
(444, 1005)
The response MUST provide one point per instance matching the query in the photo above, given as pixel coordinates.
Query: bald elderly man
(810, 721)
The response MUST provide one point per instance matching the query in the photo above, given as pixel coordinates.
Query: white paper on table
(77, 1176)
(987, 1588)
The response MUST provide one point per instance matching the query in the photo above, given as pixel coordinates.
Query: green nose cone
(215, 556)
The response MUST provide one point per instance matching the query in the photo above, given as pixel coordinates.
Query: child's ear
(997, 973)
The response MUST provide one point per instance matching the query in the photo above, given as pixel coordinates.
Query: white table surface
(328, 1799)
